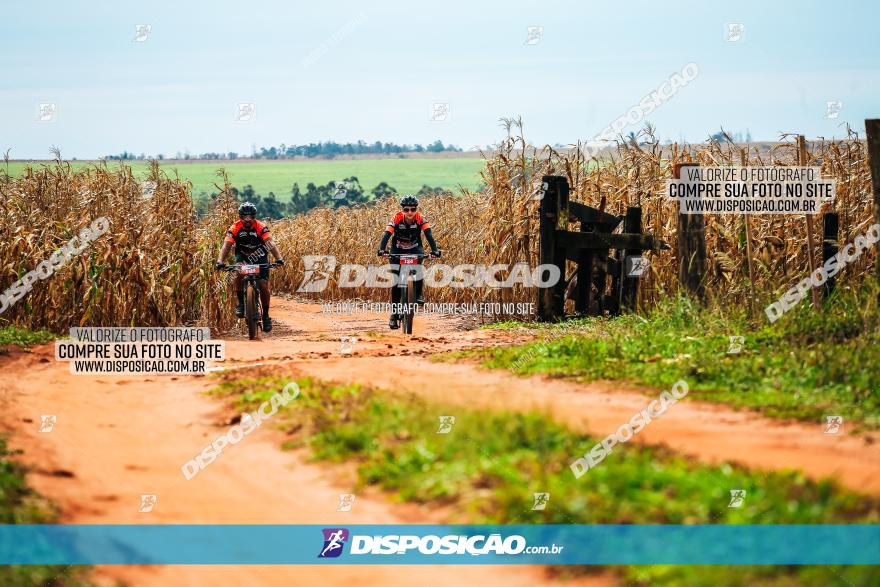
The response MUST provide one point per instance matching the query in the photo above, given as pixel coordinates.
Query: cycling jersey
(406, 235)
(258, 258)
(248, 241)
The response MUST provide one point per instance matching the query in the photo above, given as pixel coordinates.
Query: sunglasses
(409, 208)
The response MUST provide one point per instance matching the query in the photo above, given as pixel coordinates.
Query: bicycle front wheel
(252, 312)
(409, 313)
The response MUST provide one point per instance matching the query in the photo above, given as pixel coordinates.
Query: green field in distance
(405, 175)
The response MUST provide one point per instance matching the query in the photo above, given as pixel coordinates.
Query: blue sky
(357, 70)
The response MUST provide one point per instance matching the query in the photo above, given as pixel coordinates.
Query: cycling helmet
(247, 209)
(409, 201)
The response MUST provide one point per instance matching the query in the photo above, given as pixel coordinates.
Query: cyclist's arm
(384, 243)
(270, 244)
(430, 238)
(224, 251)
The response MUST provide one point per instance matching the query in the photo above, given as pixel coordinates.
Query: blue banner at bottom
(441, 544)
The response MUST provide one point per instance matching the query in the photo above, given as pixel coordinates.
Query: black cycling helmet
(247, 209)
(409, 201)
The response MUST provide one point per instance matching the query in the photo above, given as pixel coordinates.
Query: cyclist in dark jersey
(252, 241)
(405, 232)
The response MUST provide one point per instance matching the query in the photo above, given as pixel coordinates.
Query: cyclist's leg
(264, 295)
(263, 283)
(395, 290)
(239, 289)
(420, 277)
(395, 269)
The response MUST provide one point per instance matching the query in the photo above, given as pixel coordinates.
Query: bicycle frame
(406, 282)
(253, 310)
(408, 264)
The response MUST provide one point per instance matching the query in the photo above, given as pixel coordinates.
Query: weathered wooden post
(830, 231)
(554, 216)
(632, 224)
(691, 247)
(753, 312)
(811, 245)
(600, 270)
(612, 302)
(872, 126)
(584, 275)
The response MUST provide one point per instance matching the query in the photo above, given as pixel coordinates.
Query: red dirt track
(119, 437)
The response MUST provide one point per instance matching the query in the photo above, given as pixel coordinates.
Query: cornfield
(151, 268)
(637, 176)
(154, 267)
(500, 224)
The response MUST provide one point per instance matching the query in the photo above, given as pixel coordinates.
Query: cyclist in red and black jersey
(405, 232)
(252, 241)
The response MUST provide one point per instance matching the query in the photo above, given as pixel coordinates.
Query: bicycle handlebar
(417, 255)
(260, 265)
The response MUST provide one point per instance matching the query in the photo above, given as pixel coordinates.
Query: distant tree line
(737, 137)
(334, 194)
(126, 156)
(327, 150)
(332, 149)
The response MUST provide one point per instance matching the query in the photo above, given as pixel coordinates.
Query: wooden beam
(831, 228)
(753, 304)
(584, 278)
(811, 242)
(691, 247)
(554, 216)
(872, 126)
(549, 213)
(612, 302)
(589, 215)
(600, 271)
(632, 225)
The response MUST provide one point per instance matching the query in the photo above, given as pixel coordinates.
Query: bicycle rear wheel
(252, 312)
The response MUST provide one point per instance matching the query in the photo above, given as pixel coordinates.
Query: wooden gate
(590, 248)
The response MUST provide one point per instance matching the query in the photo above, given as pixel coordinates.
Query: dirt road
(709, 433)
(117, 438)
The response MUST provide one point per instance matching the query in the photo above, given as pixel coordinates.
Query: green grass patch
(488, 467)
(20, 505)
(806, 365)
(13, 335)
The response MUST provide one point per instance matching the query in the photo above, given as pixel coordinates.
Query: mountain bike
(253, 313)
(407, 283)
